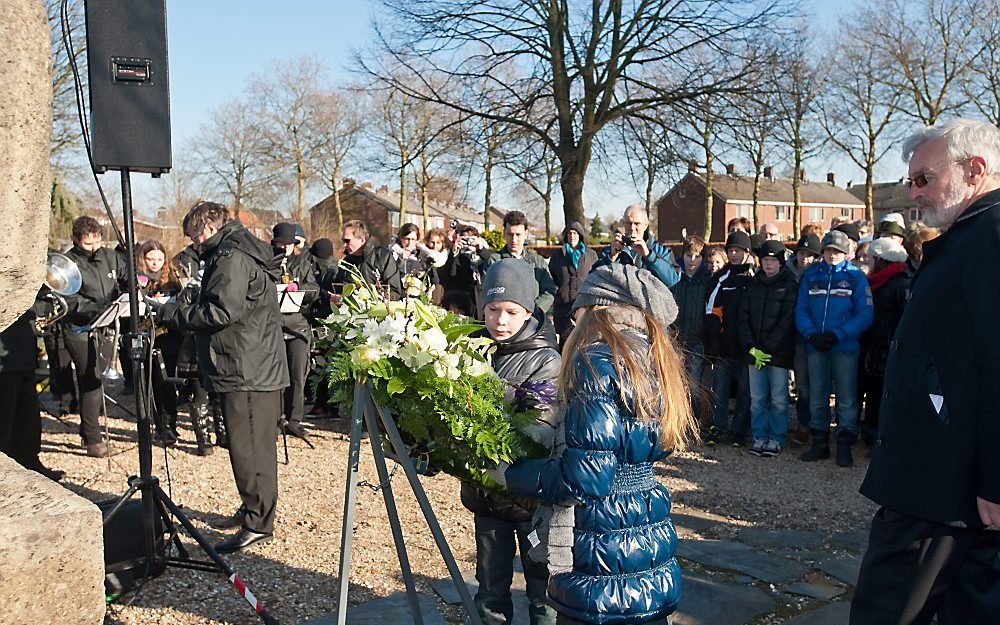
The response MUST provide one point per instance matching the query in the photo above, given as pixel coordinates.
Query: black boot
(202, 423)
(221, 437)
(820, 449)
(844, 457)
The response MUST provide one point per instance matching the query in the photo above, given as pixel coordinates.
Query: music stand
(377, 420)
(154, 499)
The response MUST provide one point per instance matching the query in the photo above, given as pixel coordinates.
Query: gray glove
(499, 473)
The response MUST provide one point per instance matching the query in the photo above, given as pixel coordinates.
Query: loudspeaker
(129, 92)
(125, 547)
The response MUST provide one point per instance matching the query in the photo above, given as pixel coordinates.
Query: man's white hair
(636, 208)
(964, 138)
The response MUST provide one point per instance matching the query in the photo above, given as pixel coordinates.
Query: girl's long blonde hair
(660, 383)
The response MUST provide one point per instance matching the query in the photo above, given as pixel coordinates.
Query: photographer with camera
(241, 353)
(637, 246)
(375, 263)
(459, 274)
(515, 231)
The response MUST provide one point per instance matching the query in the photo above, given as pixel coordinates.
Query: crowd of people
(627, 352)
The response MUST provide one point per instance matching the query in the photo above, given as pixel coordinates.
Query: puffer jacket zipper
(826, 302)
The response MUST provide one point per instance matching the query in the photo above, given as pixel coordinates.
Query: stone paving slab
(718, 601)
(696, 520)
(781, 539)
(445, 589)
(851, 540)
(387, 610)
(843, 568)
(808, 554)
(742, 558)
(817, 586)
(832, 614)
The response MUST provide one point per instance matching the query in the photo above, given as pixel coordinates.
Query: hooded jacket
(690, 293)
(101, 271)
(568, 278)
(377, 265)
(939, 429)
(722, 310)
(546, 287)
(889, 300)
(300, 271)
(525, 361)
(834, 299)
(623, 569)
(767, 317)
(660, 261)
(235, 318)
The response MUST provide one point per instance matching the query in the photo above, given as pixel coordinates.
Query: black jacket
(566, 277)
(530, 356)
(101, 271)
(186, 262)
(377, 266)
(690, 294)
(722, 324)
(767, 317)
(888, 302)
(300, 271)
(235, 318)
(939, 426)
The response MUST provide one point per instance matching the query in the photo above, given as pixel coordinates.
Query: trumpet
(62, 276)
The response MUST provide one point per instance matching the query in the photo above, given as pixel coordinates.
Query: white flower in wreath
(476, 367)
(414, 357)
(365, 355)
(432, 340)
(447, 366)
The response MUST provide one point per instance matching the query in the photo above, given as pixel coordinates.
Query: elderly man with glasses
(935, 468)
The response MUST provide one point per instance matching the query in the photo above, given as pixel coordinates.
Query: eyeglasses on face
(346, 241)
(921, 180)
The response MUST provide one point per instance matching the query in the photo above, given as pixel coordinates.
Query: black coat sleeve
(222, 301)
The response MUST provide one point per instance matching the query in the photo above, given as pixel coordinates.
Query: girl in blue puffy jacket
(623, 392)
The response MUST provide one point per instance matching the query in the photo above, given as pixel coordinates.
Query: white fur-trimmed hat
(888, 250)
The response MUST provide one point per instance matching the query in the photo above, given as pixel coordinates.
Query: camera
(628, 239)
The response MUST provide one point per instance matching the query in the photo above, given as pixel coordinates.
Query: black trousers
(497, 541)
(60, 368)
(297, 353)
(914, 570)
(83, 350)
(20, 420)
(252, 423)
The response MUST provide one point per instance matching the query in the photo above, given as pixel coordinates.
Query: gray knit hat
(618, 284)
(511, 280)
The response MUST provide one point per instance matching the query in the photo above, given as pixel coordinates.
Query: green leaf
(395, 386)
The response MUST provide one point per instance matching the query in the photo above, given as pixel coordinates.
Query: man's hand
(989, 512)
(640, 247)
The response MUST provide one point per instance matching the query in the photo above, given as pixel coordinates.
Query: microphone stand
(154, 499)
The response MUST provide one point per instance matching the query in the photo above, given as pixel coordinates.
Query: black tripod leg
(390, 508)
(168, 523)
(115, 509)
(215, 557)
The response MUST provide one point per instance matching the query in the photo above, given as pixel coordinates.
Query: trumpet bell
(110, 374)
(62, 275)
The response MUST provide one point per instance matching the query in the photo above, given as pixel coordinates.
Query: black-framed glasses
(346, 241)
(921, 180)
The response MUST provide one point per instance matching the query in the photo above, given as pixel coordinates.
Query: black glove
(823, 342)
(155, 306)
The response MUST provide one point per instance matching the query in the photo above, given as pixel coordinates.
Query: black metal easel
(154, 499)
(365, 409)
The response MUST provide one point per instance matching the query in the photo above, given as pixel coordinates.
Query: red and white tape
(243, 590)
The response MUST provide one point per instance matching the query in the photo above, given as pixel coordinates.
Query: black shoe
(737, 440)
(231, 521)
(166, 438)
(243, 539)
(713, 437)
(295, 429)
(844, 457)
(53, 474)
(820, 450)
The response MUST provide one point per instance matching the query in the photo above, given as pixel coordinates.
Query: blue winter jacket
(624, 570)
(660, 261)
(834, 299)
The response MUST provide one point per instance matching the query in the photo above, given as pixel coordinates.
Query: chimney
(384, 189)
(731, 169)
(367, 185)
(692, 166)
(769, 173)
(831, 179)
(349, 183)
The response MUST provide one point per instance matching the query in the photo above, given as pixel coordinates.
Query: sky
(214, 48)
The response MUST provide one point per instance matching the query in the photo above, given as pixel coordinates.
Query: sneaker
(737, 441)
(713, 438)
(771, 448)
(757, 448)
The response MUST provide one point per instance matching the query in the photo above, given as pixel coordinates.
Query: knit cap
(511, 280)
(322, 248)
(739, 239)
(283, 233)
(838, 240)
(619, 284)
(888, 250)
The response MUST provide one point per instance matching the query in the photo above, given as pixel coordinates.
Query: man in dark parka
(935, 468)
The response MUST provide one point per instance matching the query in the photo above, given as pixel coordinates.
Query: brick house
(682, 209)
(889, 197)
(378, 208)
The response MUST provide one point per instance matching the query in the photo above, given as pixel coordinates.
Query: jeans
(841, 370)
(722, 377)
(803, 411)
(496, 543)
(768, 403)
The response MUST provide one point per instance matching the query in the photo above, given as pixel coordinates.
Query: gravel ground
(295, 574)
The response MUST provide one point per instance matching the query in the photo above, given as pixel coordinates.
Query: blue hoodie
(834, 299)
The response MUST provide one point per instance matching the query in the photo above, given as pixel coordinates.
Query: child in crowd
(807, 251)
(722, 341)
(833, 309)
(527, 358)
(626, 403)
(690, 295)
(715, 258)
(767, 331)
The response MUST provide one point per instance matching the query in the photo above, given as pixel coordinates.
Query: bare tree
(65, 122)
(859, 105)
(340, 119)
(591, 64)
(648, 150)
(287, 97)
(536, 167)
(932, 55)
(983, 90)
(231, 152)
